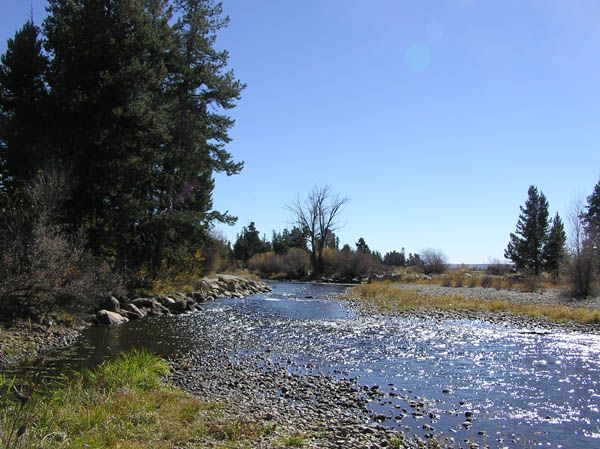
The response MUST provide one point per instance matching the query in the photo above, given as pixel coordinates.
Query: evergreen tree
(395, 258)
(362, 247)
(413, 260)
(23, 102)
(555, 249)
(346, 249)
(377, 256)
(138, 104)
(331, 240)
(282, 242)
(248, 243)
(526, 245)
(591, 216)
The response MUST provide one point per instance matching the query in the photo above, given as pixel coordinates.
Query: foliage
(318, 214)
(591, 220)
(294, 264)
(348, 265)
(23, 121)
(433, 261)
(377, 257)
(281, 242)
(362, 247)
(249, 243)
(395, 258)
(133, 97)
(414, 260)
(181, 276)
(555, 247)
(41, 266)
(526, 245)
(581, 265)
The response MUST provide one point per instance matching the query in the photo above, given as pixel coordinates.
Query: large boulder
(152, 305)
(133, 311)
(111, 304)
(110, 318)
(166, 301)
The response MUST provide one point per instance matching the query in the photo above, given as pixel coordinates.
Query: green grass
(296, 440)
(387, 298)
(125, 404)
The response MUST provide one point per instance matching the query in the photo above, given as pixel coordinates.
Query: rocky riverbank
(23, 340)
(115, 311)
(316, 411)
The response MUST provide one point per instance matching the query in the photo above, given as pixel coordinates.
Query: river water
(525, 387)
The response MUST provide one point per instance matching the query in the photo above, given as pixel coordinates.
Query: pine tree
(555, 249)
(591, 222)
(362, 247)
(248, 243)
(139, 102)
(526, 245)
(107, 72)
(395, 258)
(23, 102)
(197, 92)
(591, 216)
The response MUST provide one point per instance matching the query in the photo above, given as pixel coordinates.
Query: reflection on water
(524, 389)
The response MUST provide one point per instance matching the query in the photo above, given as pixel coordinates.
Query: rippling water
(525, 387)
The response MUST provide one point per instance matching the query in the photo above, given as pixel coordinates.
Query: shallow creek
(500, 385)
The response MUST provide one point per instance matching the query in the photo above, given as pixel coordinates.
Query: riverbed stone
(133, 310)
(110, 318)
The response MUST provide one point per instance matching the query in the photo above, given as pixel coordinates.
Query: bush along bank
(114, 311)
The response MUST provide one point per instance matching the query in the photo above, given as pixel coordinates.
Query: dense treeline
(126, 102)
(287, 255)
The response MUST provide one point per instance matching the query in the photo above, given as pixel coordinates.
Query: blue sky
(432, 117)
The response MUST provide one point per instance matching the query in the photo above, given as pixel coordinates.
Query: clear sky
(432, 117)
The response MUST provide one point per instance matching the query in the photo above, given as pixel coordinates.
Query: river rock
(133, 311)
(166, 301)
(111, 304)
(110, 318)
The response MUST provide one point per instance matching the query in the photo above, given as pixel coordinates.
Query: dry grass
(470, 278)
(387, 298)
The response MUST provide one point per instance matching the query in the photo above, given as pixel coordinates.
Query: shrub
(348, 265)
(530, 284)
(581, 266)
(458, 280)
(497, 268)
(433, 261)
(486, 281)
(581, 271)
(43, 267)
(293, 264)
(182, 274)
(472, 282)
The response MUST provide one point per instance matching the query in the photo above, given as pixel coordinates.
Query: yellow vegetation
(388, 298)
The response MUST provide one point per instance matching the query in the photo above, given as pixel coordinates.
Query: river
(524, 387)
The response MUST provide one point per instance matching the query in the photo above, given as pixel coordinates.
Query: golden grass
(387, 298)
(467, 278)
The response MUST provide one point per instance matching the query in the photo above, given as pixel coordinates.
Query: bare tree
(318, 214)
(433, 261)
(581, 267)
